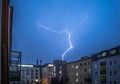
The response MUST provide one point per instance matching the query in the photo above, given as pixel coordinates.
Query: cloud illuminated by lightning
(68, 34)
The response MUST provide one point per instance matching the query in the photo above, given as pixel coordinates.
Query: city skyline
(100, 31)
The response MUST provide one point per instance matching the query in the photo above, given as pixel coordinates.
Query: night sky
(94, 26)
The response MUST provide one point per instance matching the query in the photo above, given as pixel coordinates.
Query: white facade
(112, 68)
(30, 74)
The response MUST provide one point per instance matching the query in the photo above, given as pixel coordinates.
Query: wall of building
(110, 72)
(30, 75)
(78, 72)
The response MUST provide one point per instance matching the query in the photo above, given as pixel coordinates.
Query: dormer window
(104, 54)
(112, 52)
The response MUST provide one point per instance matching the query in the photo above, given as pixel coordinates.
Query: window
(95, 65)
(77, 74)
(88, 63)
(27, 73)
(32, 70)
(84, 64)
(81, 64)
(114, 61)
(32, 77)
(115, 73)
(110, 82)
(110, 73)
(99, 55)
(110, 62)
(112, 52)
(36, 73)
(114, 82)
(96, 73)
(76, 67)
(104, 54)
(85, 70)
(77, 80)
(32, 73)
(36, 70)
(89, 70)
(36, 76)
(72, 66)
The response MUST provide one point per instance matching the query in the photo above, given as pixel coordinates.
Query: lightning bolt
(62, 31)
(68, 34)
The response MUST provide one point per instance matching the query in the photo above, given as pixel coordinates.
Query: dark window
(110, 62)
(36, 76)
(110, 82)
(114, 61)
(36, 73)
(88, 63)
(114, 72)
(84, 64)
(96, 73)
(36, 70)
(27, 73)
(85, 70)
(114, 82)
(32, 77)
(32, 70)
(110, 73)
(81, 64)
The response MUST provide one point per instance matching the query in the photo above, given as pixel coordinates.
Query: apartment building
(106, 67)
(79, 72)
(59, 71)
(47, 73)
(30, 74)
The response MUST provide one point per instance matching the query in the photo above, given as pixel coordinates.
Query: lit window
(95, 65)
(89, 70)
(72, 66)
(77, 80)
(76, 67)
(104, 54)
(77, 74)
(60, 72)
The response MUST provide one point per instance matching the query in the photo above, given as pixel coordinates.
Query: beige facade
(79, 72)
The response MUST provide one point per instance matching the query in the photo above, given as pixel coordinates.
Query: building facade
(59, 71)
(106, 67)
(47, 73)
(79, 72)
(30, 74)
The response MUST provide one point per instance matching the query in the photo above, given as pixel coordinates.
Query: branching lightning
(68, 34)
(62, 31)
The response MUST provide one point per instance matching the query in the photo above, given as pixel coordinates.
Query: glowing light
(26, 65)
(68, 34)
